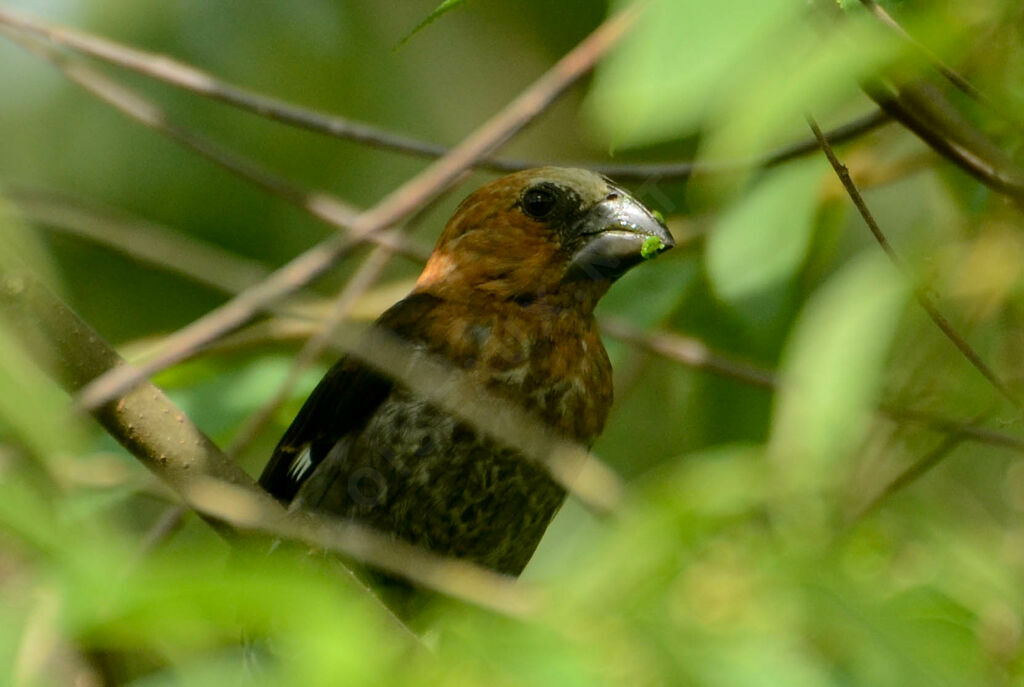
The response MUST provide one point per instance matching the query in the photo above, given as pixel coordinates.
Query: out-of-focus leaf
(27, 518)
(655, 85)
(719, 483)
(221, 396)
(30, 405)
(763, 239)
(832, 369)
(21, 247)
(743, 71)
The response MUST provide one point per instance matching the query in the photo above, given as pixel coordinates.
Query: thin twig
(184, 76)
(929, 114)
(669, 171)
(951, 75)
(404, 200)
(361, 281)
(689, 351)
(137, 238)
(189, 78)
(922, 297)
(912, 473)
(965, 429)
(169, 522)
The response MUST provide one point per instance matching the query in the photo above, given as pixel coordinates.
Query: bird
(507, 297)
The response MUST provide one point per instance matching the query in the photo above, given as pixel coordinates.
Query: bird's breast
(556, 369)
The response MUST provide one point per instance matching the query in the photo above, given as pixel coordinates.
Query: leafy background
(762, 541)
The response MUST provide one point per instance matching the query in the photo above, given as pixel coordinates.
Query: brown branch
(159, 434)
(694, 353)
(191, 79)
(967, 430)
(74, 354)
(681, 170)
(928, 114)
(922, 297)
(184, 76)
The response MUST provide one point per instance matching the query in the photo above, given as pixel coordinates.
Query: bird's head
(542, 233)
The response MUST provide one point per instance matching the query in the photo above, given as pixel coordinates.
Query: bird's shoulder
(341, 404)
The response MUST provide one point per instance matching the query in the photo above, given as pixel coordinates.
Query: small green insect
(658, 216)
(652, 246)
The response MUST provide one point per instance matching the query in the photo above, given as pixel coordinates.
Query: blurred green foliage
(747, 553)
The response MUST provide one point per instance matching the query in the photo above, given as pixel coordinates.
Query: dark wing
(341, 405)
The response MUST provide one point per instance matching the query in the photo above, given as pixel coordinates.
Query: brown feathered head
(542, 233)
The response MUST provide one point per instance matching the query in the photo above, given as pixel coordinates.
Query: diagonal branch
(929, 115)
(401, 202)
(695, 354)
(911, 474)
(923, 299)
(184, 76)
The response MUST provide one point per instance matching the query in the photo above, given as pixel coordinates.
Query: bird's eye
(538, 202)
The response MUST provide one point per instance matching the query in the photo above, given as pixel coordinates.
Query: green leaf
(832, 369)
(743, 72)
(444, 8)
(763, 240)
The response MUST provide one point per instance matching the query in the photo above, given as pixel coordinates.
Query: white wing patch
(301, 464)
